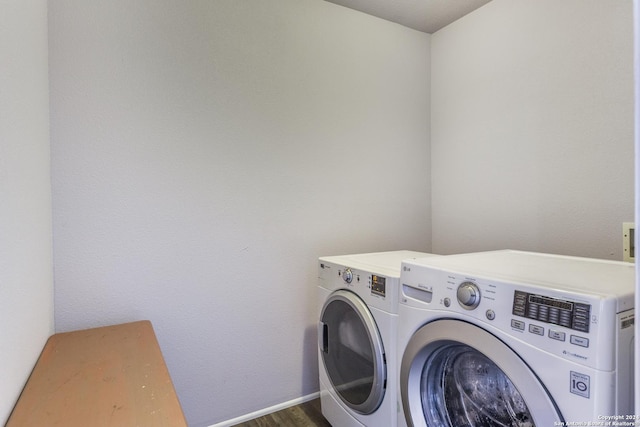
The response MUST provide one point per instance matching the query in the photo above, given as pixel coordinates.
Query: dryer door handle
(323, 336)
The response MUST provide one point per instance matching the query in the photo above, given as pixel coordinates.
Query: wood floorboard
(307, 414)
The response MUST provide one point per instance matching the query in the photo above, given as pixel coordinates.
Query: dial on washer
(468, 295)
(347, 275)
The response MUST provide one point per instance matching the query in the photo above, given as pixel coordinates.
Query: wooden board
(109, 376)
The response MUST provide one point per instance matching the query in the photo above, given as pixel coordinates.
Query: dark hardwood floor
(307, 414)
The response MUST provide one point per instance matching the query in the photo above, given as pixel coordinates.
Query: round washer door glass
(461, 386)
(352, 352)
(455, 374)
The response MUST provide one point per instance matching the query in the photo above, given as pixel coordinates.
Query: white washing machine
(358, 302)
(509, 338)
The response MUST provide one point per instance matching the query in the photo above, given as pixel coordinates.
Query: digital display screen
(545, 309)
(378, 285)
(551, 302)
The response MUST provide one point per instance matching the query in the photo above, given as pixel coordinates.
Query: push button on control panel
(557, 335)
(517, 324)
(535, 329)
(581, 341)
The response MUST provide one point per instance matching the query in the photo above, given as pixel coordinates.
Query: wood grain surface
(308, 414)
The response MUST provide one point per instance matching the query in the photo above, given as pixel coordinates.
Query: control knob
(347, 275)
(468, 295)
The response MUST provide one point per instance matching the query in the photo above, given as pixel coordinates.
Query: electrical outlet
(628, 241)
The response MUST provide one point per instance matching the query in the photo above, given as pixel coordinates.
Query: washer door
(352, 352)
(458, 375)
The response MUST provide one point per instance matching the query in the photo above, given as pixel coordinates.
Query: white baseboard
(269, 410)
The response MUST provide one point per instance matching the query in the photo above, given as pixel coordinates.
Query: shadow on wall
(310, 375)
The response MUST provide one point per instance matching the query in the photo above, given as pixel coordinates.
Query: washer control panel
(544, 313)
(376, 290)
(572, 315)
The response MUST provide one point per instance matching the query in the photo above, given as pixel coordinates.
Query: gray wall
(26, 274)
(205, 153)
(532, 128)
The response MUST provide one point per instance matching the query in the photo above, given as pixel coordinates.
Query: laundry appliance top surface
(605, 279)
(383, 263)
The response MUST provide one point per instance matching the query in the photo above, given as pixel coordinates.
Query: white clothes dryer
(509, 338)
(358, 305)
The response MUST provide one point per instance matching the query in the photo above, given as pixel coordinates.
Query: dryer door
(459, 375)
(352, 352)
